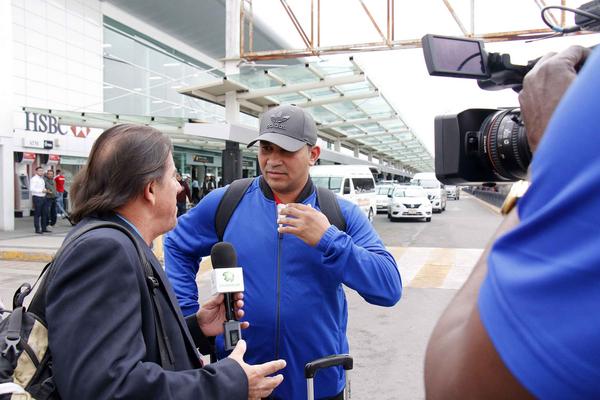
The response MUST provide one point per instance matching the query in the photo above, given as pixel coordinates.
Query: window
(363, 185)
(426, 183)
(347, 186)
(384, 190)
(333, 183)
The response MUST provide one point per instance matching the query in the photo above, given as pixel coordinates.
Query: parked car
(436, 191)
(409, 202)
(382, 192)
(453, 192)
(353, 182)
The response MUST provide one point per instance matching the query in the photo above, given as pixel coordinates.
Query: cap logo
(278, 120)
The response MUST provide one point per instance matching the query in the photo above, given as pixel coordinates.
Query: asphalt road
(388, 344)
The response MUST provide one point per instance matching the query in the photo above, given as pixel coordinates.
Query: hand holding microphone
(212, 314)
(227, 279)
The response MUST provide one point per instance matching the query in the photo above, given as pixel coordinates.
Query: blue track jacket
(293, 296)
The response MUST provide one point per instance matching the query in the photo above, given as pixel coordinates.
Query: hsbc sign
(49, 124)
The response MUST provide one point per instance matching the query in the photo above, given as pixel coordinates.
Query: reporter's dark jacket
(102, 333)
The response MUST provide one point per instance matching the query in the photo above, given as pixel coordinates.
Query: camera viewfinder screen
(456, 57)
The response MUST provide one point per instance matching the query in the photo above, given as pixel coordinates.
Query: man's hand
(544, 86)
(211, 315)
(260, 384)
(303, 221)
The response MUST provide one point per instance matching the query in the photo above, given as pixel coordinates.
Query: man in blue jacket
(294, 262)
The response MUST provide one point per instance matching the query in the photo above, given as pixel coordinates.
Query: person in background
(37, 187)
(182, 196)
(50, 202)
(208, 185)
(195, 191)
(525, 324)
(59, 180)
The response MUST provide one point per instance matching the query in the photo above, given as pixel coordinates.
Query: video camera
(478, 146)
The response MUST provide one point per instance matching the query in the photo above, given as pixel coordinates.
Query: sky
(401, 75)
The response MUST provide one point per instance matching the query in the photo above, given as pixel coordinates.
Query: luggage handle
(311, 368)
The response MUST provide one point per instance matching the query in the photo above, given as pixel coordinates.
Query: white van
(353, 182)
(436, 191)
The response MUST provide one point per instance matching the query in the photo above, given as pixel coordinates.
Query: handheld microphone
(227, 278)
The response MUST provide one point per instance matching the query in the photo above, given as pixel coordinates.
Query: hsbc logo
(80, 132)
(49, 124)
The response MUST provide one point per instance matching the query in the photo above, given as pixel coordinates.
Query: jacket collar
(268, 193)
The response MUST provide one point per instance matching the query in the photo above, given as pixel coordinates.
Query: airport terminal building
(73, 68)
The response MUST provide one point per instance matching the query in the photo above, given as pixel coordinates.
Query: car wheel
(371, 215)
(428, 219)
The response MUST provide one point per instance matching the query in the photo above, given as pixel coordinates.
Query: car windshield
(409, 192)
(330, 182)
(384, 190)
(427, 183)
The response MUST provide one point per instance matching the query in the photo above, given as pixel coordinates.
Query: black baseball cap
(289, 127)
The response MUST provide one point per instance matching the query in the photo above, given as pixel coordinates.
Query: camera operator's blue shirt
(540, 302)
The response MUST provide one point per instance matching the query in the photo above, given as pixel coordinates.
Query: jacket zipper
(277, 315)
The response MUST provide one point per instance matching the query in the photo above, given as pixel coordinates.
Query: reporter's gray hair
(123, 160)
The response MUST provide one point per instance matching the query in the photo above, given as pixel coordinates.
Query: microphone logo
(228, 276)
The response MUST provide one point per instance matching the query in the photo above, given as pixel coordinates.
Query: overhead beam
(343, 80)
(524, 34)
(362, 3)
(339, 98)
(375, 135)
(458, 21)
(359, 121)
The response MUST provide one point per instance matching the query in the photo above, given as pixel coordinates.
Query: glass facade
(142, 77)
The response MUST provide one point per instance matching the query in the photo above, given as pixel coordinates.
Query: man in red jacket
(59, 180)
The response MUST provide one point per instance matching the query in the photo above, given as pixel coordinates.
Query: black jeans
(50, 217)
(39, 213)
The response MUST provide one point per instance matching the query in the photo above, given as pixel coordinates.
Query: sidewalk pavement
(23, 244)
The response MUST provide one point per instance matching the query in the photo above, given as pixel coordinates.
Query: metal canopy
(349, 109)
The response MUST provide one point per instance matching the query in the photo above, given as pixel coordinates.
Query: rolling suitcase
(311, 369)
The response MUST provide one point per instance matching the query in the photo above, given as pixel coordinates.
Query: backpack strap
(166, 354)
(229, 203)
(331, 208)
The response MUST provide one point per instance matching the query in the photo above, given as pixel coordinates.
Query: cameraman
(526, 322)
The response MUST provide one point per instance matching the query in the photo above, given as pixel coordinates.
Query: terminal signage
(197, 158)
(44, 123)
(33, 142)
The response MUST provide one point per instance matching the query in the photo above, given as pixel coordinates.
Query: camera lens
(503, 144)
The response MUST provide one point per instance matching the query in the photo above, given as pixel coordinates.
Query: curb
(485, 203)
(31, 256)
(46, 257)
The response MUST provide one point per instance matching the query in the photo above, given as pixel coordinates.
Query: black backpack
(325, 199)
(25, 360)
